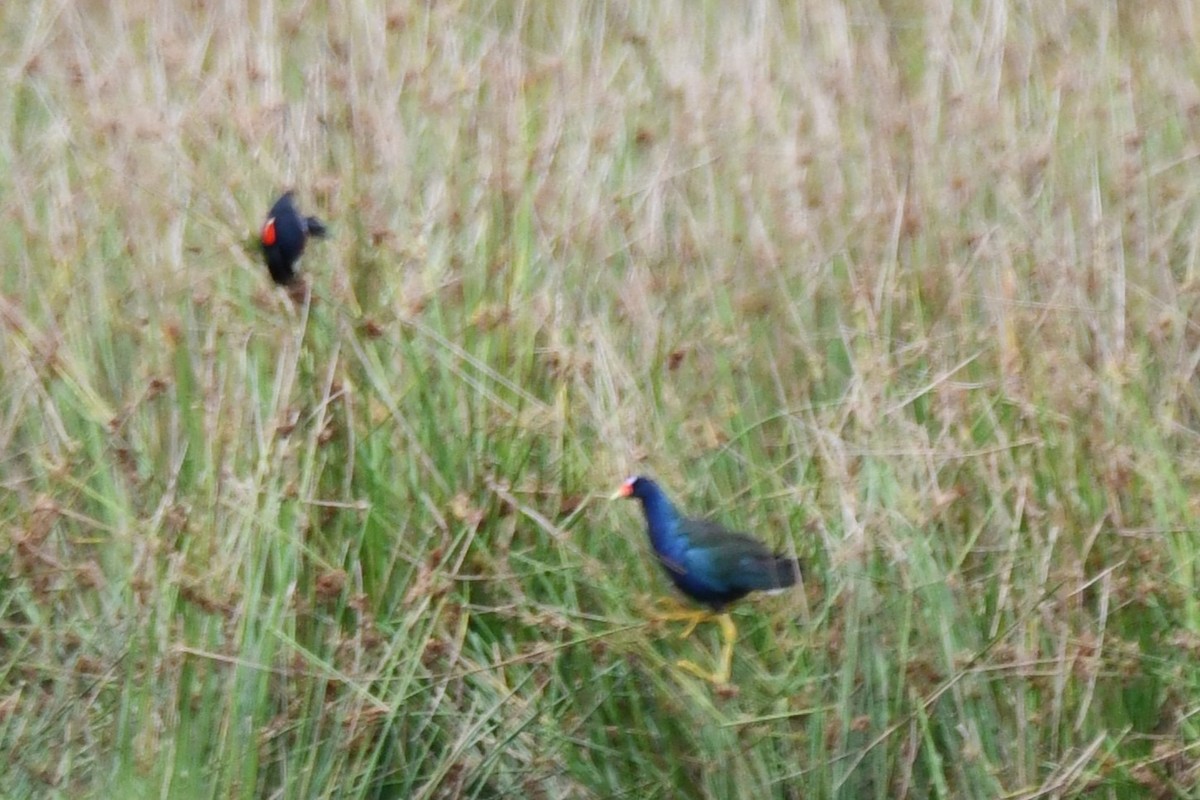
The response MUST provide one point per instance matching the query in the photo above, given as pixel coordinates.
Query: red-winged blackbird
(283, 237)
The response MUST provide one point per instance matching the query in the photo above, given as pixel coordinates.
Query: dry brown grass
(906, 287)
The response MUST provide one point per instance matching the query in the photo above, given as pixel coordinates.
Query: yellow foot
(670, 605)
(719, 678)
(728, 633)
(692, 618)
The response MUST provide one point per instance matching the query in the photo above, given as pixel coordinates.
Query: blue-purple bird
(710, 564)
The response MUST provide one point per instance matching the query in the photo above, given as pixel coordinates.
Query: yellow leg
(721, 676)
(694, 617)
(670, 606)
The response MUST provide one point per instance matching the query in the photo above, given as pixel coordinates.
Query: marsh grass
(903, 288)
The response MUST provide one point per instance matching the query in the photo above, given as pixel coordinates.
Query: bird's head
(637, 486)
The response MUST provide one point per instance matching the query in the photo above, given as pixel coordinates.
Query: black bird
(283, 237)
(710, 564)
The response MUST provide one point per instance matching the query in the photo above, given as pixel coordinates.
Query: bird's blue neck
(661, 520)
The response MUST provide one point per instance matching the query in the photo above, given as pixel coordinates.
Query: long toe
(695, 669)
(692, 622)
(693, 618)
(669, 605)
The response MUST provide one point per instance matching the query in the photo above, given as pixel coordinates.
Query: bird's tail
(316, 227)
(782, 571)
